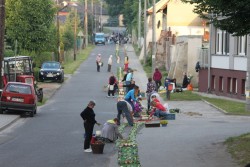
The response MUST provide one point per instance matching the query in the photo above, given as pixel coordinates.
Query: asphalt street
(55, 136)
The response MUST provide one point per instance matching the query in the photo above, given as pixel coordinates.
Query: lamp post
(65, 4)
(2, 30)
(153, 39)
(75, 28)
(86, 23)
(139, 25)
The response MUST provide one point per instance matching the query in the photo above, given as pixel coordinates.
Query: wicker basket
(97, 148)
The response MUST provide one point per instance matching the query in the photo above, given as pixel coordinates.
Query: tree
(115, 7)
(232, 16)
(30, 23)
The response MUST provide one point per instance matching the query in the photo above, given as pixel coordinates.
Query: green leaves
(232, 16)
(30, 23)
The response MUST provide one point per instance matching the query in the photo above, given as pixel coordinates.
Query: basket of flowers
(97, 147)
(164, 123)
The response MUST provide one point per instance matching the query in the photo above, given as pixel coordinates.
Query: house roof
(162, 4)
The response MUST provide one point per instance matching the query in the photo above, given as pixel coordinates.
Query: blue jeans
(127, 83)
(160, 113)
(122, 108)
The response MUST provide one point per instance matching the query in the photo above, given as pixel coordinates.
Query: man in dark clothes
(88, 117)
(130, 86)
(185, 81)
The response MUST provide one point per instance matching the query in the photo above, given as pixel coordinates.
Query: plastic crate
(171, 116)
(152, 125)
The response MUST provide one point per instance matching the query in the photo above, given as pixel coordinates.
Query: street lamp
(65, 4)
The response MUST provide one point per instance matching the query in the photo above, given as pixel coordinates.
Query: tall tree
(232, 16)
(30, 23)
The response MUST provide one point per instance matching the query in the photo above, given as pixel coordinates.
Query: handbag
(111, 87)
(100, 63)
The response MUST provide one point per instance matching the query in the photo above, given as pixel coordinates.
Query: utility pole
(139, 25)
(247, 75)
(153, 39)
(92, 13)
(75, 35)
(2, 30)
(86, 22)
(101, 18)
(145, 31)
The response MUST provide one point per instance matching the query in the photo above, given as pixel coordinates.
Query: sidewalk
(185, 141)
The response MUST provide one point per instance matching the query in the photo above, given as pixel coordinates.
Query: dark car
(19, 97)
(51, 70)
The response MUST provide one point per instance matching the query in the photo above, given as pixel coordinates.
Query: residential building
(223, 73)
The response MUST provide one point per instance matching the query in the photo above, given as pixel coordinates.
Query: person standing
(98, 62)
(129, 78)
(111, 87)
(157, 78)
(110, 130)
(89, 121)
(185, 81)
(167, 87)
(110, 61)
(151, 88)
(126, 63)
(124, 108)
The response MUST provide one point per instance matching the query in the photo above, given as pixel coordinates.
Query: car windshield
(16, 88)
(51, 65)
(99, 36)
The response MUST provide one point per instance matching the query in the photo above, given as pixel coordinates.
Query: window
(234, 86)
(229, 85)
(213, 83)
(242, 45)
(221, 84)
(222, 42)
(243, 81)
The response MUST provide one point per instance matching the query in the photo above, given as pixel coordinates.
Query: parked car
(19, 97)
(99, 38)
(51, 70)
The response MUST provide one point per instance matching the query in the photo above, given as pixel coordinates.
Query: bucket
(98, 133)
(97, 148)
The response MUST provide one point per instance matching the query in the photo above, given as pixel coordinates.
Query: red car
(19, 97)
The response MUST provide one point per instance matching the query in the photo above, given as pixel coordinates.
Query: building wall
(222, 82)
(184, 56)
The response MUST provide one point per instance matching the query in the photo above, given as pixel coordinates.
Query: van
(99, 38)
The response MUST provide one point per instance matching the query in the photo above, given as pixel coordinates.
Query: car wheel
(1, 111)
(32, 113)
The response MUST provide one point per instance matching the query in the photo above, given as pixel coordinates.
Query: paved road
(54, 137)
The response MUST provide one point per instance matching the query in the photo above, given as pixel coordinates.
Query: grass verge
(239, 148)
(70, 66)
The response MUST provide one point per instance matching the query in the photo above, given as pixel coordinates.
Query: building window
(243, 84)
(242, 45)
(213, 83)
(221, 84)
(229, 85)
(234, 86)
(222, 42)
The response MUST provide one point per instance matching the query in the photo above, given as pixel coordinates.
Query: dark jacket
(88, 115)
(157, 75)
(130, 86)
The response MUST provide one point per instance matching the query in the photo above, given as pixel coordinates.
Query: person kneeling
(158, 110)
(110, 130)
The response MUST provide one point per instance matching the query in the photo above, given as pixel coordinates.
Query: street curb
(10, 123)
(221, 110)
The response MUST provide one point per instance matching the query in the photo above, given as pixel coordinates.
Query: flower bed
(128, 149)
